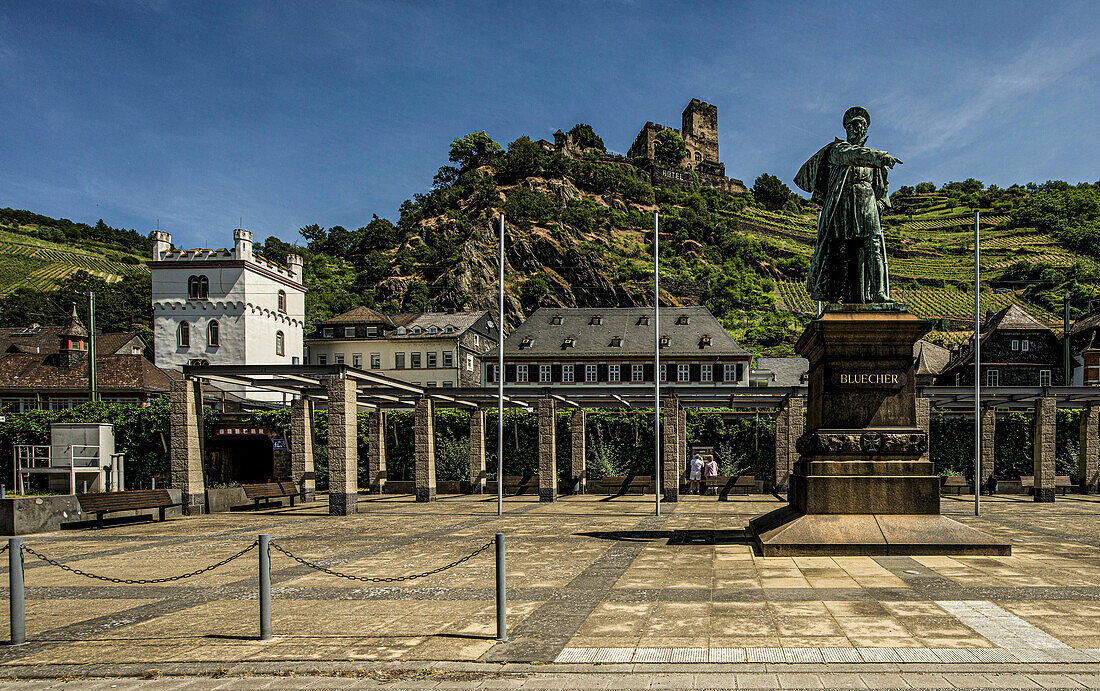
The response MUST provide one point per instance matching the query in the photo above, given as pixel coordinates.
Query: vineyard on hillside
(30, 262)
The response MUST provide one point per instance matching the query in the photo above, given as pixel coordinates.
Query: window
(544, 374)
(705, 341)
(527, 342)
(282, 301)
(198, 361)
(280, 345)
(1015, 344)
(556, 320)
(664, 341)
(183, 335)
(569, 342)
(682, 319)
(706, 373)
(416, 331)
(433, 330)
(294, 360)
(521, 374)
(376, 360)
(635, 373)
(432, 360)
(448, 385)
(992, 377)
(339, 358)
(430, 385)
(681, 372)
(448, 358)
(198, 288)
(372, 331)
(469, 362)
(448, 330)
(326, 332)
(1024, 345)
(616, 342)
(596, 320)
(213, 334)
(643, 320)
(1044, 377)
(476, 340)
(958, 378)
(357, 360)
(664, 372)
(590, 373)
(727, 373)
(415, 360)
(567, 374)
(399, 361)
(322, 359)
(612, 373)
(349, 332)
(494, 373)
(400, 331)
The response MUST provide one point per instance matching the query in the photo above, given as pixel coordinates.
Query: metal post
(265, 588)
(15, 591)
(1065, 343)
(502, 598)
(93, 384)
(977, 372)
(3, 491)
(500, 381)
(658, 479)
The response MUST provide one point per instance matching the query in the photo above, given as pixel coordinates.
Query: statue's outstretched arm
(852, 155)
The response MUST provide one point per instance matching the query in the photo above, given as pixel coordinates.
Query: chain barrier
(3, 548)
(140, 581)
(370, 579)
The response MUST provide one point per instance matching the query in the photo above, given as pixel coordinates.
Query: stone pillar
(343, 451)
(672, 455)
(376, 451)
(788, 428)
(989, 444)
(301, 448)
(477, 451)
(1046, 414)
(924, 421)
(576, 428)
(185, 456)
(424, 442)
(548, 467)
(1088, 450)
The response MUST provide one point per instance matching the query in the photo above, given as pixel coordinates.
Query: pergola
(344, 390)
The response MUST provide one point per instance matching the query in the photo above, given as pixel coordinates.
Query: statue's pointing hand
(889, 161)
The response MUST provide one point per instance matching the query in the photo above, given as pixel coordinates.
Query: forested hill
(579, 234)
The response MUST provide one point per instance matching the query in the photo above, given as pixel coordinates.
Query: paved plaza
(595, 586)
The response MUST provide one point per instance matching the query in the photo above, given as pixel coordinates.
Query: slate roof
(461, 321)
(45, 340)
(1011, 317)
(931, 358)
(359, 315)
(547, 339)
(31, 372)
(785, 371)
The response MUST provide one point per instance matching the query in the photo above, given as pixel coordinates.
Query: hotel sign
(869, 379)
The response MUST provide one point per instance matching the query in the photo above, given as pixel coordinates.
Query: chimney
(162, 243)
(294, 265)
(242, 243)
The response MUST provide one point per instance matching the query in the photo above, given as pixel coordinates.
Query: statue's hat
(857, 112)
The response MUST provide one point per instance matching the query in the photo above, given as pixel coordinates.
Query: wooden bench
(266, 491)
(955, 482)
(723, 485)
(521, 483)
(622, 483)
(1061, 482)
(101, 503)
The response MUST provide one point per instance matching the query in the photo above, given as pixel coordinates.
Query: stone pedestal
(672, 456)
(477, 451)
(989, 444)
(860, 485)
(788, 429)
(424, 447)
(1046, 416)
(301, 448)
(548, 467)
(343, 451)
(376, 451)
(1089, 448)
(186, 449)
(580, 450)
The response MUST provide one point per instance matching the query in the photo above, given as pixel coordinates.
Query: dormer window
(569, 342)
(326, 332)
(198, 287)
(596, 320)
(433, 330)
(704, 341)
(416, 331)
(527, 342)
(448, 329)
(682, 320)
(616, 342)
(664, 341)
(400, 331)
(555, 320)
(643, 320)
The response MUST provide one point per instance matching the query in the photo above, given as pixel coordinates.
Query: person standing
(695, 475)
(710, 469)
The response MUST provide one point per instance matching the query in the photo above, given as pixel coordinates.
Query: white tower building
(225, 307)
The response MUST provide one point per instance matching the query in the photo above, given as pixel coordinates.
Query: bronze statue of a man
(849, 181)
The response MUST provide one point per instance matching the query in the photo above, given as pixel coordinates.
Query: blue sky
(282, 114)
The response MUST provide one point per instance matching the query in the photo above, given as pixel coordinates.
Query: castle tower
(242, 243)
(700, 131)
(73, 345)
(162, 243)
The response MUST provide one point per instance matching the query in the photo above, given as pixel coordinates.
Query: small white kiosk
(79, 458)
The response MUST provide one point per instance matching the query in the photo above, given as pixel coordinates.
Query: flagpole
(977, 372)
(500, 380)
(658, 480)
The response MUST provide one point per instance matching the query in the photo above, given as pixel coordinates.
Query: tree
(771, 192)
(585, 136)
(473, 150)
(926, 187)
(523, 160)
(669, 148)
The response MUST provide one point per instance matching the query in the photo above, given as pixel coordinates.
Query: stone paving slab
(583, 574)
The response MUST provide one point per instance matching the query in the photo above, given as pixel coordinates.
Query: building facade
(1017, 350)
(588, 346)
(225, 307)
(1084, 348)
(433, 349)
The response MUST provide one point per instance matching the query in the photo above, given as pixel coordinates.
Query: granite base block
(340, 504)
(425, 494)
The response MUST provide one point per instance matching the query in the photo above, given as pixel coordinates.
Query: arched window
(279, 346)
(198, 288)
(282, 301)
(698, 156)
(183, 335)
(213, 334)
